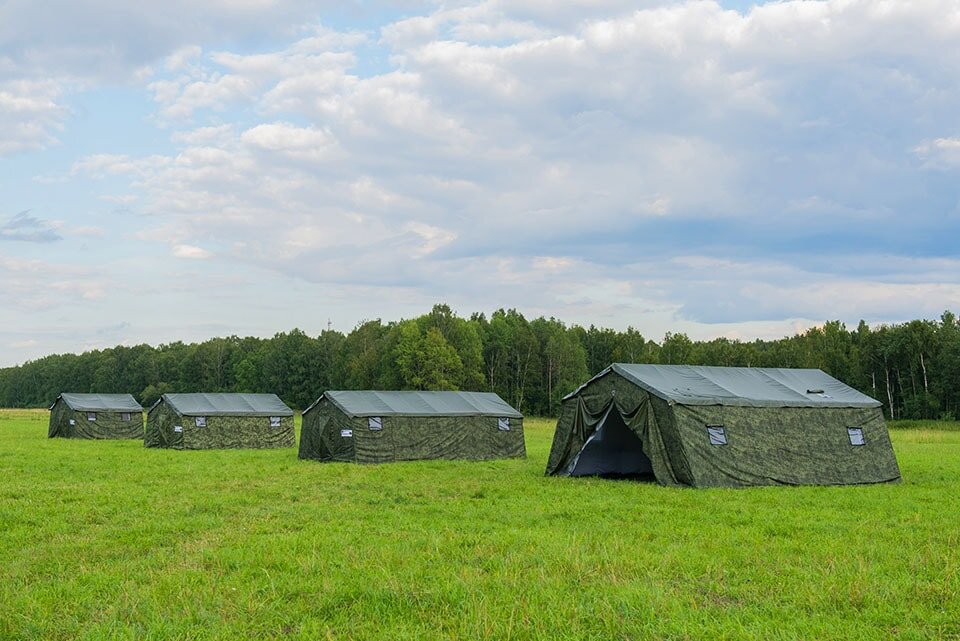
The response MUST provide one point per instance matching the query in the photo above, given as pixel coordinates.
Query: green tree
(427, 361)
(677, 349)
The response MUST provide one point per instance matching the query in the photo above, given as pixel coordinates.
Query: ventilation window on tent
(856, 436)
(717, 434)
(503, 424)
(201, 421)
(274, 421)
(91, 416)
(375, 423)
(125, 416)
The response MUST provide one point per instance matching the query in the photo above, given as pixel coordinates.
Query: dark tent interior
(612, 451)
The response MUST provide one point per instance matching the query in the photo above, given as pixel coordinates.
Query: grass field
(106, 540)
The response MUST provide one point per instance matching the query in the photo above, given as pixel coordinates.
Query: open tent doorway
(612, 451)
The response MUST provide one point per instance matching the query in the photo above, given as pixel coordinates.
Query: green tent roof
(372, 403)
(204, 404)
(101, 402)
(740, 386)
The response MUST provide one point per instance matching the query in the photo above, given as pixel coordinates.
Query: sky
(188, 169)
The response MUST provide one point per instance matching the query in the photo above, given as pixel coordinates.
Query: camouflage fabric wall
(790, 445)
(220, 432)
(160, 432)
(108, 425)
(59, 425)
(327, 434)
(320, 434)
(764, 445)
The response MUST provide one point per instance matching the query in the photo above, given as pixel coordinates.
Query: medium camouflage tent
(722, 427)
(96, 416)
(376, 427)
(212, 421)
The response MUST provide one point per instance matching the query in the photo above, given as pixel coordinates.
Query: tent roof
(218, 404)
(742, 386)
(373, 403)
(101, 402)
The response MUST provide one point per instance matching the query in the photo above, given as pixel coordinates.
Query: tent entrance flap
(612, 450)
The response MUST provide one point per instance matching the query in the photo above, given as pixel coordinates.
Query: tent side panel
(785, 446)
(237, 432)
(337, 433)
(311, 435)
(674, 454)
(109, 425)
(161, 431)
(565, 442)
(484, 440)
(60, 416)
(375, 446)
(151, 433)
(412, 438)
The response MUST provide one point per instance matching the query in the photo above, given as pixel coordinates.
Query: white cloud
(31, 285)
(499, 125)
(214, 135)
(432, 238)
(107, 165)
(307, 143)
(673, 163)
(191, 251)
(181, 99)
(113, 40)
(31, 114)
(182, 58)
(940, 153)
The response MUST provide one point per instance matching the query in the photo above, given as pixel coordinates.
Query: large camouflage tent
(722, 427)
(214, 421)
(376, 427)
(96, 416)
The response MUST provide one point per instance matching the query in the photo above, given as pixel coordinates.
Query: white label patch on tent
(346, 433)
(375, 423)
(178, 428)
(274, 421)
(91, 416)
(717, 434)
(72, 422)
(503, 424)
(856, 436)
(201, 421)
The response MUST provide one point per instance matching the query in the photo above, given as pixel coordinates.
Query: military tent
(96, 416)
(722, 427)
(376, 427)
(214, 421)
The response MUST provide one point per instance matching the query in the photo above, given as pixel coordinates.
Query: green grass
(912, 424)
(106, 540)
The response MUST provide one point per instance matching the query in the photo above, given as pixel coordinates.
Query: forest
(913, 367)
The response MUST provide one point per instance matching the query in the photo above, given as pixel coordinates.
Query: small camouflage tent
(96, 416)
(212, 421)
(376, 427)
(722, 427)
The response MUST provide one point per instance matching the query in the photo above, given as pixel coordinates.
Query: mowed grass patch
(107, 540)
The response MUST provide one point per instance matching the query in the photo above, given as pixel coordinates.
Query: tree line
(913, 367)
